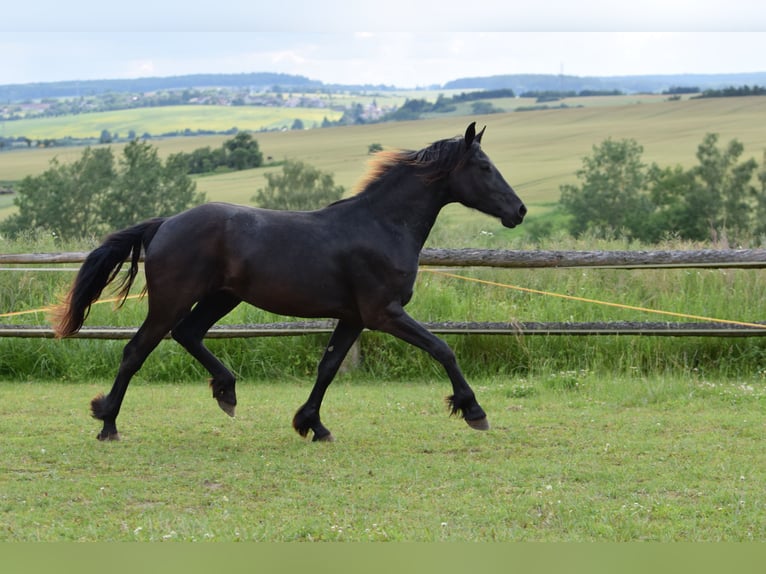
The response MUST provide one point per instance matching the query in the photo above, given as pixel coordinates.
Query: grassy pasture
(607, 459)
(724, 294)
(607, 439)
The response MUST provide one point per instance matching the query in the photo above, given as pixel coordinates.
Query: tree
(621, 196)
(721, 193)
(92, 196)
(611, 200)
(300, 187)
(242, 152)
(64, 199)
(760, 201)
(669, 189)
(147, 188)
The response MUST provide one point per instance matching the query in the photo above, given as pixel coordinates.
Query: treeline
(721, 199)
(107, 137)
(554, 95)
(482, 95)
(646, 84)
(681, 90)
(414, 109)
(240, 152)
(734, 92)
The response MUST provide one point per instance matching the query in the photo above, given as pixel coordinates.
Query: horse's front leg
(307, 417)
(463, 400)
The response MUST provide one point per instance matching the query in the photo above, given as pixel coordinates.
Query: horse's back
(286, 262)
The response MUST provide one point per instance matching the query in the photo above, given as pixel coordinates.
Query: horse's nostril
(523, 210)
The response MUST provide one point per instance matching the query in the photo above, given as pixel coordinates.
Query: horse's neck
(407, 204)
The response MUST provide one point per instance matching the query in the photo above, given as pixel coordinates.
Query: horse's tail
(101, 268)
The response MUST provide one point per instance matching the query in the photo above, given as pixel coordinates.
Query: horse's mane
(432, 162)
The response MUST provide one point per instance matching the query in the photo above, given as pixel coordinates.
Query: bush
(621, 196)
(238, 153)
(300, 187)
(93, 195)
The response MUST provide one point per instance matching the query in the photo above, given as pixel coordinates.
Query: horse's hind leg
(190, 332)
(106, 408)
(307, 417)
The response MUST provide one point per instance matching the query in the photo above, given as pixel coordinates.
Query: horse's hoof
(324, 438)
(479, 424)
(102, 436)
(228, 408)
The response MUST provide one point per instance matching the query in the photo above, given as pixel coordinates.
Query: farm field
(170, 119)
(537, 151)
(608, 459)
(177, 119)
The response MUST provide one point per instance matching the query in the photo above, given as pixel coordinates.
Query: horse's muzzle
(515, 217)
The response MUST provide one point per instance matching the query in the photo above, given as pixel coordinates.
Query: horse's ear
(481, 133)
(470, 134)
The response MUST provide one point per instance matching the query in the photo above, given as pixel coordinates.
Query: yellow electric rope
(496, 284)
(51, 308)
(596, 301)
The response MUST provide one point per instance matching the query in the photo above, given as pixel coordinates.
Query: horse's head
(477, 183)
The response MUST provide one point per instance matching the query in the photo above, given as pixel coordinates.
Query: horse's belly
(297, 298)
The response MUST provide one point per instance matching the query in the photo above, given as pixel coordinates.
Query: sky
(405, 43)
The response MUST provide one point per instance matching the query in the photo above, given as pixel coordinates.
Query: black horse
(355, 260)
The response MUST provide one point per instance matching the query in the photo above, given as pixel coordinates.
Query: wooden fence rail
(707, 258)
(443, 328)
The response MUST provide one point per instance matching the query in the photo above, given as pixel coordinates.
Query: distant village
(110, 101)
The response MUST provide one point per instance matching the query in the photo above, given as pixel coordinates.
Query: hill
(521, 83)
(76, 88)
(260, 81)
(537, 151)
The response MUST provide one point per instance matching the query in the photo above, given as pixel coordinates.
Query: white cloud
(339, 16)
(401, 58)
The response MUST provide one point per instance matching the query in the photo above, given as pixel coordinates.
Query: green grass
(607, 459)
(732, 294)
